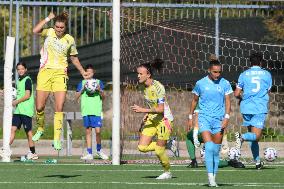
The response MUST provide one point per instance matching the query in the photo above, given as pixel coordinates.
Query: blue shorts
(92, 121)
(19, 120)
(211, 124)
(255, 120)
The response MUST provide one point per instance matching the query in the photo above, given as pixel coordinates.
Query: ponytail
(156, 64)
(63, 17)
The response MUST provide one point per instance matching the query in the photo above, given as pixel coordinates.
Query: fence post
(17, 53)
(217, 30)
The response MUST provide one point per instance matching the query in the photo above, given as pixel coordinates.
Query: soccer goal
(185, 38)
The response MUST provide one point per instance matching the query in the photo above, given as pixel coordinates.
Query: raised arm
(38, 28)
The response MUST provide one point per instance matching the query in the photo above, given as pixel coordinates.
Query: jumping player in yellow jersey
(158, 118)
(52, 77)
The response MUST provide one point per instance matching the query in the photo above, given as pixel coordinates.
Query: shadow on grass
(63, 176)
(225, 185)
(253, 168)
(154, 177)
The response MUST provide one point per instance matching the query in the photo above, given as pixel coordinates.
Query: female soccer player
(52, 77)
(253, 90)
(212, 94)
(158, 117)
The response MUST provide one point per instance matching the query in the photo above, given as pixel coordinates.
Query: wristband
(227, 116)
(47, 19)
(190, 116)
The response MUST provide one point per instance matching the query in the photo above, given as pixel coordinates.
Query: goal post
(116, 84)
(8, 109)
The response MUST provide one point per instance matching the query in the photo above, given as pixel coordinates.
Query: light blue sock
(249, 136)
(255, 150)
(216, 157)
(99, 147)
(209, 153)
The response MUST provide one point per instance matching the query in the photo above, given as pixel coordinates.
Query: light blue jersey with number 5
(255, 83)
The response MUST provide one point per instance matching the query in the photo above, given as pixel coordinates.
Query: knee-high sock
(255, 150)
(190, 148)
(58, 122)
(216, 157)
(249, 136)
(209, 156)
(163, 157)
(150, 147)
(40, 121)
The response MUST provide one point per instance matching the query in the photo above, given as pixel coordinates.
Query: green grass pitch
(79, 175)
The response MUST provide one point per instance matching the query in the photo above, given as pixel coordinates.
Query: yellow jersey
(55, 51)
(155, 94)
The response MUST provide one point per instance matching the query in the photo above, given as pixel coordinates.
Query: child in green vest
(24, 108)
(91, 110)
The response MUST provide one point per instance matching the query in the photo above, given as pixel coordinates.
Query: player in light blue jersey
(212, 95)
(252, 89)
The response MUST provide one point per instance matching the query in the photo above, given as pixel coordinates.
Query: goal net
(185, 43)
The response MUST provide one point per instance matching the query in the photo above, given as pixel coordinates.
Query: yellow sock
(163, 157)
(150, 147)
(58, 122)
(40, 121)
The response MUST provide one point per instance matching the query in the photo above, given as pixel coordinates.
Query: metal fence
(89, 22)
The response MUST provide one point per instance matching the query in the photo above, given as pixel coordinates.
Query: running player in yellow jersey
(52, 77)
(158, 118)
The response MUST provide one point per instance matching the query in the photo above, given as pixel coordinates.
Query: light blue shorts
(92, 121)
(255, 120)
(211, 124)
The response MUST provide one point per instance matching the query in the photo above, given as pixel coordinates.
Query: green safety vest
(26, 107)
(91, 104)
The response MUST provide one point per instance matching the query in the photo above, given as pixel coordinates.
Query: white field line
(142, 165)
(271, 185)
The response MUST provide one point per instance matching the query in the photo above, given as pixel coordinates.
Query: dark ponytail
(213, 61)
(156, 64)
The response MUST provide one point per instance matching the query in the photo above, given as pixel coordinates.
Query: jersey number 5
(255, 80)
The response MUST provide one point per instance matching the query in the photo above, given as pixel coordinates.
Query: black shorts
(19, 120)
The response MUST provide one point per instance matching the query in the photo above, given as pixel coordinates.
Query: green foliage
(269, 132)
(275, 25)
